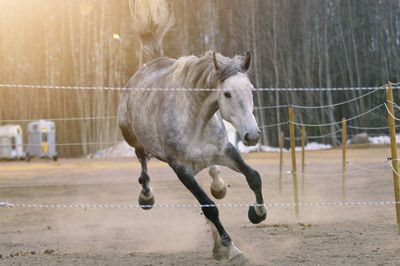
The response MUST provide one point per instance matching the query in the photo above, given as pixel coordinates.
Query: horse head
(235, 100)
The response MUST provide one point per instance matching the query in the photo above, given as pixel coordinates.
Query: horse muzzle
(251, 138)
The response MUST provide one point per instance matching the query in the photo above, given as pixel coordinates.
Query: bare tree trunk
(276, 67)
(329, 85)
(261, 113)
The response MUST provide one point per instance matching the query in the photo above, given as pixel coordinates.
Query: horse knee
(214, 171)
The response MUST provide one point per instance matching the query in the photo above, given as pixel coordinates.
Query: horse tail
(152, 19)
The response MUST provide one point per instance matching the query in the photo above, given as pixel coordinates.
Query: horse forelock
(193, 71)
(229, 66)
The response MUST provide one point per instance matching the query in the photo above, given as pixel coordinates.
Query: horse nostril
(246, 137)
(259, 131)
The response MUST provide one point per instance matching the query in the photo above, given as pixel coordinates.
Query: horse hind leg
(146, 197)
(217, 187)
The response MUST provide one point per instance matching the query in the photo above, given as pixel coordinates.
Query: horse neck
(200, 73)
(204, 106)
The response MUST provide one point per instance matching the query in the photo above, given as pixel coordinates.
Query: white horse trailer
(11, 142)
(42, 140)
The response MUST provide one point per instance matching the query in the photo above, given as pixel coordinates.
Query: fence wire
(390, 113)
(223, 205)
(58, 87)
(339, 122)
(319, 106)
(60, 119)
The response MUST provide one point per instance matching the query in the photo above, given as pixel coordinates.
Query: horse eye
(227, 94)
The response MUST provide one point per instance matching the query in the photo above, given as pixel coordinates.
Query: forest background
(295, 44)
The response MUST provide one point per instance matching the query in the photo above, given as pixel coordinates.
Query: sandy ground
(180, 236)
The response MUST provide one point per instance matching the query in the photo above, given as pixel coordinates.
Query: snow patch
(315, 146)
(121, 149)
(246, 149)
(383, 139)
(310, 146)
(261, 148)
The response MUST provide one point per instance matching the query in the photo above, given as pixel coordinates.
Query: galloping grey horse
(184, 128)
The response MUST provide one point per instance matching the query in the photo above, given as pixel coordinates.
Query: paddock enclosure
(326, 103)
(322, 235)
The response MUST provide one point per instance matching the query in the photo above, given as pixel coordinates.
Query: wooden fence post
(393, 147)
(344, 146)
(303, 141)
(281, 142)
(294, 166)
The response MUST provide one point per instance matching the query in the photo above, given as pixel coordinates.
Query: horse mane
(199, 72)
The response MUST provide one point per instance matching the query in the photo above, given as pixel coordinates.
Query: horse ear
(215, 61)
(247, 61)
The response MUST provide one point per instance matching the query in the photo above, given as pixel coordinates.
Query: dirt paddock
(363, 235)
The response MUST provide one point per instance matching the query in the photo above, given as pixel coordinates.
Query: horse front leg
(223, 245)
(234, 160)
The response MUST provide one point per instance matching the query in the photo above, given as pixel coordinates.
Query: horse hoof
(254, 218)
(218, 194)
(146, 203)
(229, 253)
